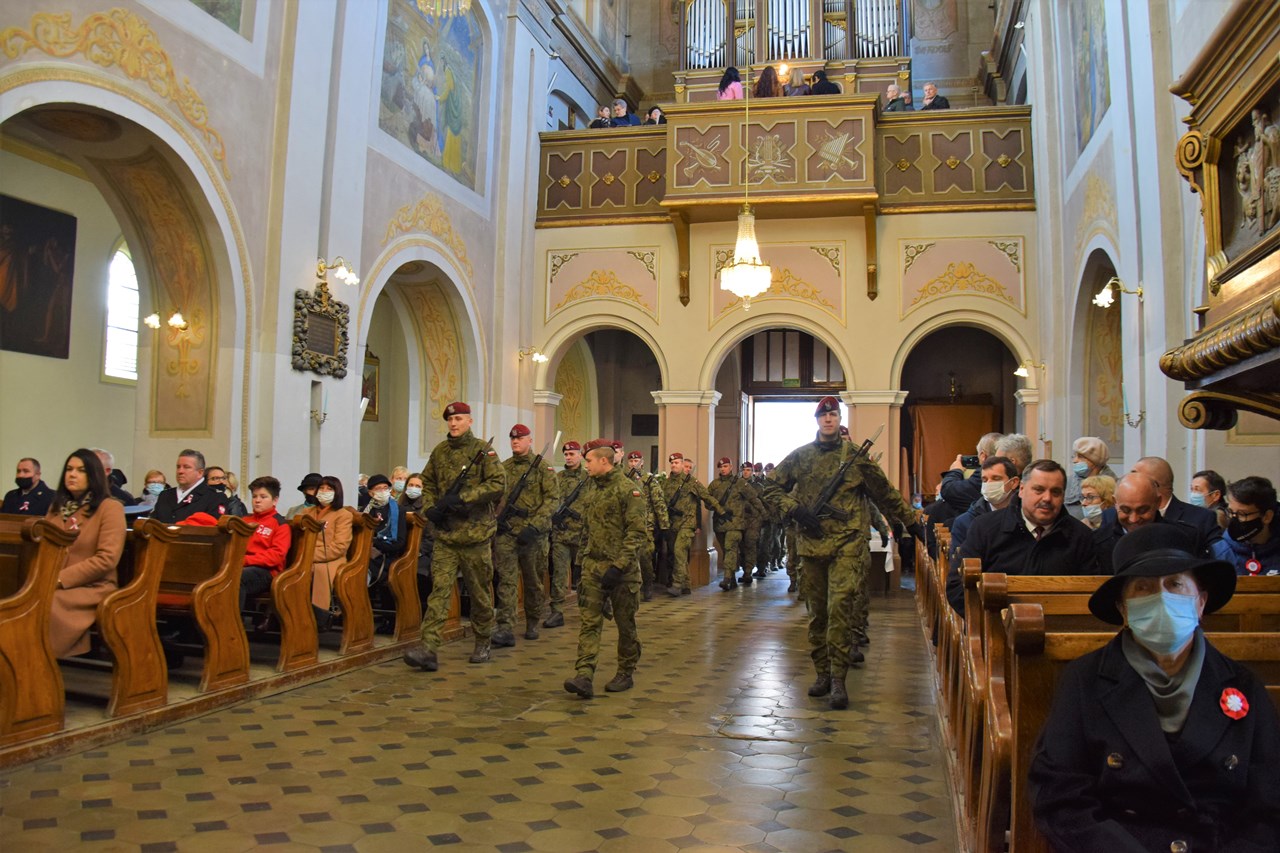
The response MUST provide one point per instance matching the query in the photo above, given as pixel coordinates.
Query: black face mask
(25, 483)
(1243, 531)
(310, 500)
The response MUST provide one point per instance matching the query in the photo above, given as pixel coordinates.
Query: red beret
(635, 454)
(760, 467)
(518, 431)
(615, 444)
(571, 445)
(747, 465)
(456, 409)
(844, 430)
(596, 442)
(827, 404)
(675, 456)
(724, 460)
(768, 466)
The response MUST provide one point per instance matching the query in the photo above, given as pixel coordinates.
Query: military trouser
(476, 565)
(747, 553)
(730, 541)
(662, 545)
(776, 548)
(830, 585)
(563, 559)
(644, 556)
(680, 569)
(793, 559)
(626, 601)
(528, 562)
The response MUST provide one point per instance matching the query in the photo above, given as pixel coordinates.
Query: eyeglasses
(1243, 516)
(1090, 500)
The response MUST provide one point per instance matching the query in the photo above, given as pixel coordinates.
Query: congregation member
(614, 524)
(603, 119)
(1089, 456)
(768, 86)
(1253, 534)
(219, 480)
(685, 498)
(1000, 481)
(152, 485)
(82, 505)
(1137, 498)
(32, 495)
(190, 494)
(399, 477)
(835, 552)
(823, 86)
(894, 102)
(655, 116)
(411, 503)
(622, 115)
(655, 518)
(932, 100)
(566, 535)
(307, 487)
(796, 86)
(462, 483)
(738, 500)
(268, 549)
(1097, 495)
(521, 547)
(1157, 741)
(108, 464)
(1204, 521)
(389, 536)
(1209, 491)
(730, 88)
(331, 547)
(1034, 535)
(959, 489)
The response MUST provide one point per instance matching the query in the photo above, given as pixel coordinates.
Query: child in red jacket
(269, 545)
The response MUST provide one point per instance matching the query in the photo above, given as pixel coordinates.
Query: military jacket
(683, 493)
(566, 481)
(738, 496)
(481, 490)
(538, 499)
(803, 475)
(655, 502)
(771, 514)
(613, 519)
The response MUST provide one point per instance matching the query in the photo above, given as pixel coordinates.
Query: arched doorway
(1095, 381)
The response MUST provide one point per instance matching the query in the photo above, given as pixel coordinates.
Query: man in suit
(1205, 523)
(932, 100)
(33, 496)
(893, 100)
(191, 494)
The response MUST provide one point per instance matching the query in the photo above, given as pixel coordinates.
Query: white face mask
(413, 492)
(380, 497)
(993, 492)
(397, 485)
(325, 498)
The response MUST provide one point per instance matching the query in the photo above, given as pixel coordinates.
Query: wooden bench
(402, 578)
(202, 577)
(291, 597)
(32, 553)
(351, 583)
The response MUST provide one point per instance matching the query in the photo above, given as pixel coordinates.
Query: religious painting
(369, 386)
(430, 83)
(223, 11)
(1087, 26)
(37, 262)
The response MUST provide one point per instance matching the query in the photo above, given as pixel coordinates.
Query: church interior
(289, 233)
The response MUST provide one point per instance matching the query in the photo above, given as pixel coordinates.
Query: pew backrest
(291, 596)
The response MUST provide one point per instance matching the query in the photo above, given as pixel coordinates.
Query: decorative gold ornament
(557, 261)
(961, 276)
(654, 177)
(830, 253)
(911, 251)
(564, 181)
(428, 214)
(831, 154)
(646, 258)
(608, 179)
(1214, 350)
(1004, 160)
(954, 161)
(603, 284)
(1010, 249)
(903, 164)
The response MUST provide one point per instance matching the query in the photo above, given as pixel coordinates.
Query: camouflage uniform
(835, 562)
(740, 498)
(749, 555)
(566, 538)
(656, 519)
(532, 510)
(462, 542)
(615, 530)
(683, 494)
(793, 560)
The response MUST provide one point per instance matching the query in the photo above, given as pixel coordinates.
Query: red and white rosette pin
(1253, 566)
(1233, 703)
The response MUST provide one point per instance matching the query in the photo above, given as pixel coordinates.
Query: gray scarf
(1171, 693)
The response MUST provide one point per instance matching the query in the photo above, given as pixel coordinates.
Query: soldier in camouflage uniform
(683, 494)
(566, 535)
(749, 554)
(835, 552)
(771, 534)
(521, 544)
(741, 504)
(655, 514)
(465, 523)
(613, 517)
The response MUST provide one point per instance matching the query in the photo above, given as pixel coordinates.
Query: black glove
(434, 514)
(884, 539)
(558, 521)
(450, 502)
(528, 535)
(611, 578)
(809, 524)
(727, 515)
(916, 529)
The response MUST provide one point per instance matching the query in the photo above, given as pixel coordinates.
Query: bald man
(1137, 505)
(1205, 523)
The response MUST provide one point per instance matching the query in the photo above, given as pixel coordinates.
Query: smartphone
(969, 461)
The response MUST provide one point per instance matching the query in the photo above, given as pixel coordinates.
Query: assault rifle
(560, 518)
(509, 507)
(733, 481)
(822, 507)
(672, 512)
(450, 501)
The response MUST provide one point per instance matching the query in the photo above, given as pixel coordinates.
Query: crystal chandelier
(444, 8)
(747, 276)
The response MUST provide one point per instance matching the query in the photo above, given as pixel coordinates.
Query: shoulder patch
(493, 453)
(634, 493)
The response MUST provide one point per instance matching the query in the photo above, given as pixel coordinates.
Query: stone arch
(566, 335)
(1094, 395)
(1001, 330)
(750, 324)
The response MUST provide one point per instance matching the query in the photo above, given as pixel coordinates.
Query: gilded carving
(1004, 160)
(646, 258)
(1258, 174)
(831, 254)
(564, 181)
(831, 154)
(912, 251)
(608, 179)
(722, 257)
(320, 335)
(429, 214)
(654, 177)
(557, 261)
(1242, 338)
(787, 284)
(121, 39)
(1011, 251)
(954, 161)
(571, 385)
(603, 284)
(768, 159)
(701, 157)
(903, 164)
(961, 275)
(438, 339)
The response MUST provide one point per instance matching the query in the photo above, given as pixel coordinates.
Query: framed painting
(37, 264)
(369, 386)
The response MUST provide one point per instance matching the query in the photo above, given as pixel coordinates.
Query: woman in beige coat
(83, 504)
(331, 545)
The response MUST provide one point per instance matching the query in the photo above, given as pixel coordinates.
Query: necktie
(1038, 532)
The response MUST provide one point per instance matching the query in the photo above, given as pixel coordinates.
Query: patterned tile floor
(717, 747)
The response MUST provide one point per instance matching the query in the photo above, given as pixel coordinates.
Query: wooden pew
(127, 622)
(351, 583)
(202, 577)
(402, 578)
(32, 553)
(291, 597)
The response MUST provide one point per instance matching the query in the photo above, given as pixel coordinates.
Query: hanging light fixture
(444, 8)
(747, 276)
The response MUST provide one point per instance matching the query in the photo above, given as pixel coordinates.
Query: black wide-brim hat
(1155, 550)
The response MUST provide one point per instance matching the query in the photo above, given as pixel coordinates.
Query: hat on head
(769, 466)
(844, 430)
(759, 467)
(378, 480)
(519, 431)
(635, 454)
(456, 408)
(615, 444)
(724, 460)
(1155, 550)
(826, 404)
(1093, 449)
(596, 442)
(311, 481)
(675, 457)
(748, 466)
(571, 445)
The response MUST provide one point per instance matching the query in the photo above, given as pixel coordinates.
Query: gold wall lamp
(1107, 295)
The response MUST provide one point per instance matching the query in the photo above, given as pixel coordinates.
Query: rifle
(672, 512)
(455, 488)
(648, 490)
(562, 515)
(509, 507)
(822, 506)
(733, 481)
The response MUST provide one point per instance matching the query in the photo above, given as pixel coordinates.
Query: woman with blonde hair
(796, 85)
(1096, 494)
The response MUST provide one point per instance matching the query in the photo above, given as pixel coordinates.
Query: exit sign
(790, 383)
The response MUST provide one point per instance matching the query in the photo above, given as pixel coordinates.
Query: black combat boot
(504, 638)
(581, 685)
(724, 584)
(481, 653)
(531, 629)
(745, 579)
(554, 620)
(673, 592)
(622, 681)
(839, 696)
(422, 657)
(792, 587)
(821, 686)
(855, 655)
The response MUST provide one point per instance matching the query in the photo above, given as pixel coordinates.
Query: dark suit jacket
(826, 87)
(203, 498)
(1203, 520)
(960, 491)
(938, 103)
(1109, 533)
(1105, 777)
(35, 502)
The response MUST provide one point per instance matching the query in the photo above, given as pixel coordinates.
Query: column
(1028, 420)
(686, 420)
(868, 410)
(545, 406)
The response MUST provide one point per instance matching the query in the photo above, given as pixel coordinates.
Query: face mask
(1197, 499)
(155, 488)
(24, 483)
(379, 498)
(324, 498)
(1092, 510)
(1163, 622)
(309, 500)
(1243, 531)
(413, 492)
(993, 492)
(397, 485)
(1081, 469)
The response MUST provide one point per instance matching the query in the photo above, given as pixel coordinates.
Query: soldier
(683, 494)
(749, 554)
(741, 504)
(615, 530)
(655, 514)
(835, 552)
(523, 524)
(566, 533)
(461, 484)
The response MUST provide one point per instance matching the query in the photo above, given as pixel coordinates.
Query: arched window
(120, 357)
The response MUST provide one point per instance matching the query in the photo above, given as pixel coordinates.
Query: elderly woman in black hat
(1157, 741)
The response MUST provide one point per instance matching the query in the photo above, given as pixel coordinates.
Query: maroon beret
(675, 456)
(571, 445)
(635, 454)
(724, 460)
(827, 404)
(519, 431)
(456, 409)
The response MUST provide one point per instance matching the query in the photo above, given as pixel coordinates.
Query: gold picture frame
(370, 386)
(320, 332)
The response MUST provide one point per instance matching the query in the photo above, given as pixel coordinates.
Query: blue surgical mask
(1163, 622)
(1196, 499)
(155, 488)
(1092, 510)
(413, 492)
(1081, 469)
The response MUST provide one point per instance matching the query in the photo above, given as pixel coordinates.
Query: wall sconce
(534, 353)
(343, 271)
(1024, 369)
(1107, 295)
(176, 321)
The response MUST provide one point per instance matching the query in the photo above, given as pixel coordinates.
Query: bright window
(121, 358)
